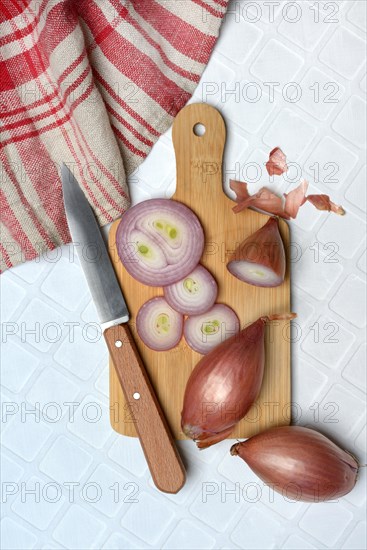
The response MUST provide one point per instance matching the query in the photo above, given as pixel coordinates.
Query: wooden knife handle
(164, 462)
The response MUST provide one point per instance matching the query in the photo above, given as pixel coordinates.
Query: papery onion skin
(299, 463)
(147, 332)
(263, 249)
(323, 202)
(180, 260)
(193, 305)
(277, 163)
(295, 199)
(264, 200)
(224, 385)
(268, 202)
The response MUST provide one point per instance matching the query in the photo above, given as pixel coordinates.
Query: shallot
(225, 383)
(260, 259)
(300, 463)
(159, 241)
(194, 294)
(158, 325)
(204, 332)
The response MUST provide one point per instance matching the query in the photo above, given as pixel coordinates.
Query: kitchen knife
(155, 437)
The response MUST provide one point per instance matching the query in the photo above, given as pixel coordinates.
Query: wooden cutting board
(199, 186)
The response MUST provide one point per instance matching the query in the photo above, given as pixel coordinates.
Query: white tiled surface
(93, 489)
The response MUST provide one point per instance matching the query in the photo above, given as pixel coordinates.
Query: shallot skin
(224, 385)
(299, 463)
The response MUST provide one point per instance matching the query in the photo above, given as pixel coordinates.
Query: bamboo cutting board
(199, 186)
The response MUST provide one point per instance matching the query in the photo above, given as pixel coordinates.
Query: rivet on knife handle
(156, 439)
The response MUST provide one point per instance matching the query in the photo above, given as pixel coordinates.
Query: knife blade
(164, 462)
(92, 254)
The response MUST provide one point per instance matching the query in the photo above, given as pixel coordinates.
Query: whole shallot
(225, 383)
(300, 463)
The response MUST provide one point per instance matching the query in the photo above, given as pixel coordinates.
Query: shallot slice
(158, 325)
(260, 259)
(159, 241)
(300, 463)
(225, 383)
(194, 294)
(204, 332)
(276, 164)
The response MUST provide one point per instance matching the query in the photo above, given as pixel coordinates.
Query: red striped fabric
(92, 83)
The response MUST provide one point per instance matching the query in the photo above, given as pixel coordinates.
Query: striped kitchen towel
(92, 83)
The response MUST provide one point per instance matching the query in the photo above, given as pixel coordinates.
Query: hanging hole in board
(199, 129)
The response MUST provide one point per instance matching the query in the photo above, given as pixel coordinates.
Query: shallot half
(299, 463)
(225, 383)
(260, 259)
